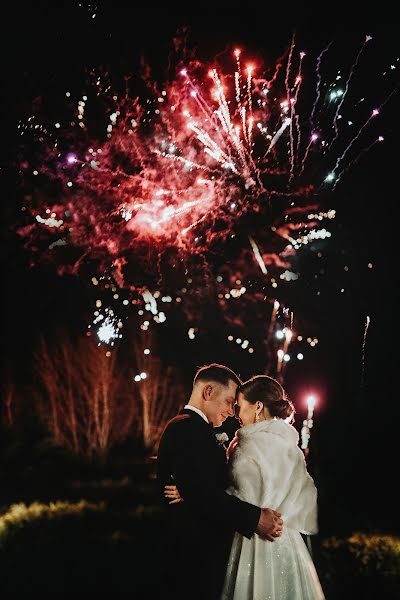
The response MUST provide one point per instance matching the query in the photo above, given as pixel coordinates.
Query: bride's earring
(257, 417)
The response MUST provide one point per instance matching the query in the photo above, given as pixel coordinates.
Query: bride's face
(246, 412)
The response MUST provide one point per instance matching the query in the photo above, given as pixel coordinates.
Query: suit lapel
(208, 427)
(197, 418)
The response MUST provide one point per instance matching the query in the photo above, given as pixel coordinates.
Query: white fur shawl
(268, 469)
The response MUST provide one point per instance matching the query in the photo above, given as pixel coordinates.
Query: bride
(267, 468)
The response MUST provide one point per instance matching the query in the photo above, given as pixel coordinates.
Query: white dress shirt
(198, 411)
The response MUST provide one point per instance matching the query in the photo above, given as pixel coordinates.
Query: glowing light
(311, 401)
(258, 256)
(289, 276)
(288, 335)
(71, 159)
(50, 222)
(107, 331)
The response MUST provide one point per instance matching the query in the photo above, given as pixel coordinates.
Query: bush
(362, 566)
(65, 550)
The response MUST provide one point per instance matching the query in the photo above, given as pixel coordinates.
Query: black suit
(199, 530)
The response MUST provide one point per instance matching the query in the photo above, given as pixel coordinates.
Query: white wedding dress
(268, 469)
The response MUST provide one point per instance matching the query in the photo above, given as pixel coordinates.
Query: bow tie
(211, 425)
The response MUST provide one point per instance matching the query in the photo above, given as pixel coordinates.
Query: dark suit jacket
(199, 530)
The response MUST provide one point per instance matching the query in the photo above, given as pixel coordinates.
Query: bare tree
(10, 405)
(8, 395)
(160, 389)
(86, 401)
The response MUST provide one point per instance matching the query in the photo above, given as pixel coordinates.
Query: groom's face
(220, 401)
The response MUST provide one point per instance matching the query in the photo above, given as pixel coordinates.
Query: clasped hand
(269, 526)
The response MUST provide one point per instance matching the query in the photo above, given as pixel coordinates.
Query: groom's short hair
(217, 373)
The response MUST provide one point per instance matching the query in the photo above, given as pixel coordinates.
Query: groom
(199, 531)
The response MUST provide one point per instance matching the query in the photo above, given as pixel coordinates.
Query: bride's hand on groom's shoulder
(171, 492)
(270, 524)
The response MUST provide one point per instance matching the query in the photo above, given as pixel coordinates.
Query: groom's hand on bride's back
(270, 524)
(172, 494)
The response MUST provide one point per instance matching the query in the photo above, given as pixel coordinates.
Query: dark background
(48, 48)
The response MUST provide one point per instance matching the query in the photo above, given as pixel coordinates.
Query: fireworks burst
(222, 161)
(107, 332)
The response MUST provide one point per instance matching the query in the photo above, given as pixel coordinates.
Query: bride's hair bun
(282, 409)
(269, 391)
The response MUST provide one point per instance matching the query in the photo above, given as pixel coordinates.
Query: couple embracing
(235, 517)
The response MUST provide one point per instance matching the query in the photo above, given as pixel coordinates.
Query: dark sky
(49, 46)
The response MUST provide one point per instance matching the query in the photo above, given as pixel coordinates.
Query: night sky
(353, 453)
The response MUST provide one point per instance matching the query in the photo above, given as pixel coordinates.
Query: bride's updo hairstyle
(267, 390)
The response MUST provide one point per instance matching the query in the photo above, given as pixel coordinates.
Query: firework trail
(288, 104)
(258, 256)
(346, 88)
(314, 135)
(367, 322)
(319, 80)
(380, 138)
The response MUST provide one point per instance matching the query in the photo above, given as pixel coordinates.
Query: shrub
(363, 564)
(64, 549)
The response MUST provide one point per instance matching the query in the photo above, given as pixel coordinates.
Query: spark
(367, 322)
(343, 95)
(258, 256)
(107, 332)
